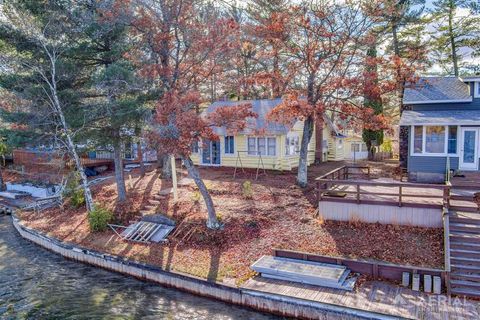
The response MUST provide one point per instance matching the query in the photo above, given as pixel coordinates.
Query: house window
(195, 147)
(417, 139)
(261, 145)
(452, 139)
(364, 147)
(229, 145)
(252, 146)
(355, 147)
(435, 139)
(271, 146)
(292, 145)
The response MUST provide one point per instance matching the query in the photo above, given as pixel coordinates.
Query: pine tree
(455, 31)
(38, 72)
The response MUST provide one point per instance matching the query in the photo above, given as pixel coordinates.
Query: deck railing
(346, 172)
(338, 185)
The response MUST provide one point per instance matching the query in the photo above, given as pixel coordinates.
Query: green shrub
(196, 196)
(99, 218)
(77, 199)
(247, 190)
(386, 146)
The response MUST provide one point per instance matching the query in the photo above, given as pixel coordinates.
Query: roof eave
(437, 101)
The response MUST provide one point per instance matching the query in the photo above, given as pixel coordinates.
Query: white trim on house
(476, 89)
(225, 147)
(266, 146)
(468, 165)
(438, 101)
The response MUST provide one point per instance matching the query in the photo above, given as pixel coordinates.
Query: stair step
(474, 277)
(465, 284)
(464, 253)
(467, 268)
(465, 227)
(469, 292)
(465, 217)
(465, 237)
(465, 220)
(466, 261)
(154, 202)
(465, 245)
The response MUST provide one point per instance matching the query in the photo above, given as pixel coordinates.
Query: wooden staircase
(464, 240)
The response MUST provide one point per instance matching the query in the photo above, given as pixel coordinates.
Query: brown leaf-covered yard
(280, 215)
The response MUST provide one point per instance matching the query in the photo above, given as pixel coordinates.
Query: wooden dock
(376, 297)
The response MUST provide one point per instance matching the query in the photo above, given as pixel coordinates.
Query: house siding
(278, 162)
(431, 164)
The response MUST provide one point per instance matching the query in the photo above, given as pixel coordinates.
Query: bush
(77, 199)
(386, 146)
(247, 190)
(99, 218)
(196, 196)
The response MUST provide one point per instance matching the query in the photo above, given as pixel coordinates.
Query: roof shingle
(435, 89)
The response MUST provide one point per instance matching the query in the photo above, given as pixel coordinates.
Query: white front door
(469, 149)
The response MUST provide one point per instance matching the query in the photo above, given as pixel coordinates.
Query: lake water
(38, 284)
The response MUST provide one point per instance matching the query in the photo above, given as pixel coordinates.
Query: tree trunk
(2, 183)
(451, 35)
(73, 152)
(319, 140)
(302, 178)
(212, 221)
(119, 174)
(166, 167)
(396, 45)
(140, 158)
(57, 106)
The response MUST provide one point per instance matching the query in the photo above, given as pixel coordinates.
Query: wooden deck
(421, 196)
(375, 296)
(353, 184)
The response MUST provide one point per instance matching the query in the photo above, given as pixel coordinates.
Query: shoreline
(252, 299)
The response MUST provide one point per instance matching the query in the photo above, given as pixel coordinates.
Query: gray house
(441, 124)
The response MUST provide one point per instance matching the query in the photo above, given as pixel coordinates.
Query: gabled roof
(437, 90)
(261, 108)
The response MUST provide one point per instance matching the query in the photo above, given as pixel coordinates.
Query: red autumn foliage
(179, 125)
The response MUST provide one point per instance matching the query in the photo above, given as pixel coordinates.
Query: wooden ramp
(309, 272)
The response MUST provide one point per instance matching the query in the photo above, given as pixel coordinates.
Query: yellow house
(355, 148)
(263, 144)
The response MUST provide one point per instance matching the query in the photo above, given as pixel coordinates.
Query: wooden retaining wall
(384, 214)
(377, 270)
(260, 301)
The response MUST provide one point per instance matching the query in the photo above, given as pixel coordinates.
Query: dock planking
(375, 296)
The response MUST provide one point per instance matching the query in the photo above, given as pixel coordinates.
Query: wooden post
(358, 193)
(399, 196)
(174, 178)
(346, 173)
(375, 271)
(319, 194)
(368, 173)
(446, 196)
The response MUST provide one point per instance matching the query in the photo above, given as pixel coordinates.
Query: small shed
(355, 148)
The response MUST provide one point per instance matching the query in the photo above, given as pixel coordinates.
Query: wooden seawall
(260, 301)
